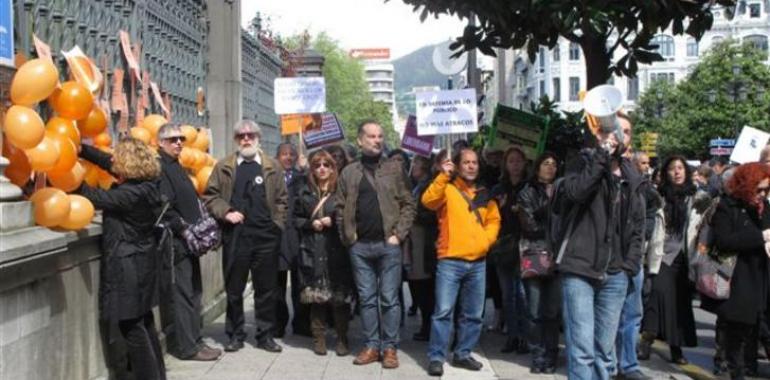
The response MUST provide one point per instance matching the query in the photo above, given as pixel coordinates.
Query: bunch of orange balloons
(51, 147)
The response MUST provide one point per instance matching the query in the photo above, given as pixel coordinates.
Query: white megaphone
(603, 103)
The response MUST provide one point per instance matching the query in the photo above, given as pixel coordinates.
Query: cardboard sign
(444, 112)
(83, 69)
(300, 95)
(422, 145)
(515, 127)
(749, 145)
(296, 123)
(117, 90)
(158, 97)
(6, 33)
(42, 49)
(125, 42)
(330, 132)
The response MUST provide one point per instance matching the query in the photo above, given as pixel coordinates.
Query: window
(574, 51)
(668, 77)
(574, 88)
(692, 47)
(665, 46)
(633, 88)
(757, 40)
(716, 39)
(542, 88)
(755, 10)
(541, 58)
(556, 53)
(556, 90)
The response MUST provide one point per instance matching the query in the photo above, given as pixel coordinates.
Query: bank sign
(6, 33)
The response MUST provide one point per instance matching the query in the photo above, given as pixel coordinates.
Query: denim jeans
(467, 279)
(377, 271)
(591, 316)
(630, 324)
(544, 301)
(514, 302)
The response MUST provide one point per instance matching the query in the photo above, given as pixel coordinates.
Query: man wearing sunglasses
(247, 194)
(183, 295)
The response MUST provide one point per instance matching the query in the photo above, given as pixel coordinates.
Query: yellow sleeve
(492, 222)
(435, 196)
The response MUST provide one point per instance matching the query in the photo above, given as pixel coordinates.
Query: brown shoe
(389, 358)
(204, 355)
(367, 356)
(212, 351)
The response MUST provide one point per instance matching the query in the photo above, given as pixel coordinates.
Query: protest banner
(422, 145)
(300, 95)
(749, 145)
(298, 123)
(330, 132)
(446, 112)
(515, 127)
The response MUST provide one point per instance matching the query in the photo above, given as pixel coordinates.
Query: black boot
(511, 345)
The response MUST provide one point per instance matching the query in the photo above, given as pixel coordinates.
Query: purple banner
(330, 132)
(422, 145)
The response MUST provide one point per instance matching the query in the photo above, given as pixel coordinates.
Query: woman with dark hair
(128, 286)
(339, 156)
(325, 273)
(741, 226)
(668, 313)
(543, 292)
(505, 252)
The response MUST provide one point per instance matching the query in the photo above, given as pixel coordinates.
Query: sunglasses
(323, 164)
(249, 135)
(175, 139)
(763, 190)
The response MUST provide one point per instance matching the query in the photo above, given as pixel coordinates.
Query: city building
(260, 65)
(379, 75)
(560, 72)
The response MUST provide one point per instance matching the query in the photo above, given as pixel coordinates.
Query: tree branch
(617, 43)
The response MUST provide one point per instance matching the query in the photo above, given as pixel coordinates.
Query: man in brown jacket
(375, 210)
(247, 194)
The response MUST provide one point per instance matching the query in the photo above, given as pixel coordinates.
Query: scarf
(676, 205)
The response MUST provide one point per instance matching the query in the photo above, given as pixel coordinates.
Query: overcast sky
(356, 23)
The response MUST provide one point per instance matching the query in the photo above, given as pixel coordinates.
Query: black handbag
(204, 235)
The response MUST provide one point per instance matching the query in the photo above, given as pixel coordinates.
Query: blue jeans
(591, 316)
(467, 279)
(377, 271)
(514, 301)
(544, 301)
(628, 330)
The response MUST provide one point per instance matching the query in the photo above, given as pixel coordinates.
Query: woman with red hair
(741, 227)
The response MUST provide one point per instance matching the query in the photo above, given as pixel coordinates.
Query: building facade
(380, 77)
(560, 73)
(260, 66)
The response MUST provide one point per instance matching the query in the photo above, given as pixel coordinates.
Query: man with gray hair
(182, 295)
(247, 194)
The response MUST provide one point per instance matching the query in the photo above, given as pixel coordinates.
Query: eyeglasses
(761, 190)
(175, 139)
(323, 164)
(249, 135)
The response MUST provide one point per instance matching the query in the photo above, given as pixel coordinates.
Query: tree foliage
(566, 130)
(684, 115)
(347, 92)
(600, 27)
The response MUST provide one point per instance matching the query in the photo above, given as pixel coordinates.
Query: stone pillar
(224, 73)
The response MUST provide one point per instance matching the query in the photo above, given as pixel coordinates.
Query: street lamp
(660, 106)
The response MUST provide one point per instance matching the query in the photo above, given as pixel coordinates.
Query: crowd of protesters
(599, 247)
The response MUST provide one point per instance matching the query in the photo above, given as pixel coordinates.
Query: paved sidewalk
(297, 361)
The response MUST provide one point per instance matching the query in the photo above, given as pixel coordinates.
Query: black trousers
(144, 353)
(424, 294)
(281, 306)
(738, 338)
(258, 257)
(185, 336)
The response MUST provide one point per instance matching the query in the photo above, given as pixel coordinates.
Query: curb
(693, 371)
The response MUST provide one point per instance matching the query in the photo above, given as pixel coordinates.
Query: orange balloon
(103, 139)
(51, 206)
(93, 124)
(68, 152)
(44, 156)
(190, 133)
(210, 161)
(70, 180)
(202, 141)
(92, 174)
(34, 81)
(64, 127)
(80, 215)
(187, 157)
(203, 178)
(194, 182)
(200, 160)
(72, 101)
(141, 134)
(152, 123)
(18, 171)
(23, 127)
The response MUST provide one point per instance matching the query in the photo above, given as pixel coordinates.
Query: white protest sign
(749, 145)
(300, 95)
(444, 112)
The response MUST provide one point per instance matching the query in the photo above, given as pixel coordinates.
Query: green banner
(511, 126)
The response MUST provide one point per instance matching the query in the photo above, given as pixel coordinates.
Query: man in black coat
(287, 157)
(182, 271)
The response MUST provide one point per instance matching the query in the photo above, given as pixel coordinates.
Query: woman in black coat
(324, 265)
(128, 286)
(740, 225)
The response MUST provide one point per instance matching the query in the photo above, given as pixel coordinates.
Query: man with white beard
(247, 194)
